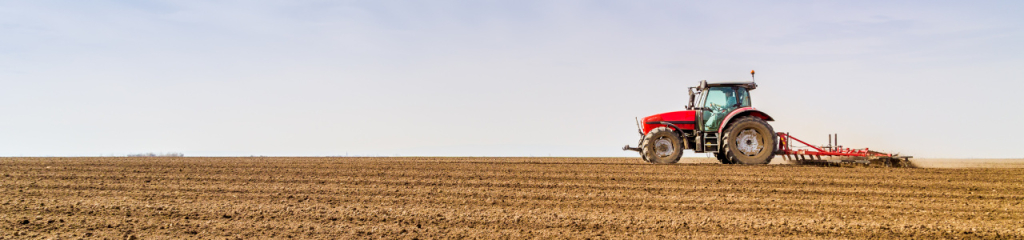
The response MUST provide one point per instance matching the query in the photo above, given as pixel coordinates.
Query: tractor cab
(713, 102)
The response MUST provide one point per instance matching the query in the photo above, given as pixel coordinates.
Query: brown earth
(255, 198)
(969, 163)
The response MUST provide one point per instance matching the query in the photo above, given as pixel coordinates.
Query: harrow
(835, 154)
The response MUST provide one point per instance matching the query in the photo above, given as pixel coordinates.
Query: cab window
(743, 97)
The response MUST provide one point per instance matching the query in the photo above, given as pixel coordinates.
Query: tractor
(718, 119)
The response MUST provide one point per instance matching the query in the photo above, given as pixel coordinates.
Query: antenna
(752, 76)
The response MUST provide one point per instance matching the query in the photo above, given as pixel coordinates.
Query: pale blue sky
(497, 78)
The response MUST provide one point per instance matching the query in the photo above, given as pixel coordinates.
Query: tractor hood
(684, 120)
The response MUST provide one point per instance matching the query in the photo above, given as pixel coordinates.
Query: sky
(936, 79)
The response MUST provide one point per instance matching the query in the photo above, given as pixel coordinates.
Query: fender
(743, 112)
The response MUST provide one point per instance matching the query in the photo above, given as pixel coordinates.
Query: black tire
(662, 146)
(749, 140)
(721, 158)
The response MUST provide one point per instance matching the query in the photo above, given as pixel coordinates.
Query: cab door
(719, 102)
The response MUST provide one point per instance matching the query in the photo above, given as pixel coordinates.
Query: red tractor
(718, 119)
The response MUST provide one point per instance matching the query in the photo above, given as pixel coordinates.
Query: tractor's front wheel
(749, 140)
(661, 145)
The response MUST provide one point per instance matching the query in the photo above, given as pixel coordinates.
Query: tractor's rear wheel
(661, 145)
(721, 158)
(749, 140)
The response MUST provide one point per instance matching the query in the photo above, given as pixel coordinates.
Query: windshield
(720, 97)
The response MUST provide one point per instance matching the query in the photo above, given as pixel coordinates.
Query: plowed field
(254, 198)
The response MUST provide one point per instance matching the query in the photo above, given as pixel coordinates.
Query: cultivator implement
(834, 154)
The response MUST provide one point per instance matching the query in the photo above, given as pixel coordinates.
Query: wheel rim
(749, 142)
(663, 147)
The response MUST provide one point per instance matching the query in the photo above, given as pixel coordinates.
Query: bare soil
(598, 198)
(968, 163)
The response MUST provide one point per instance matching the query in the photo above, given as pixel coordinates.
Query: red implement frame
(835, 153)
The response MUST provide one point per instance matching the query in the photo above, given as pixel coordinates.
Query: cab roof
(747, 85)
